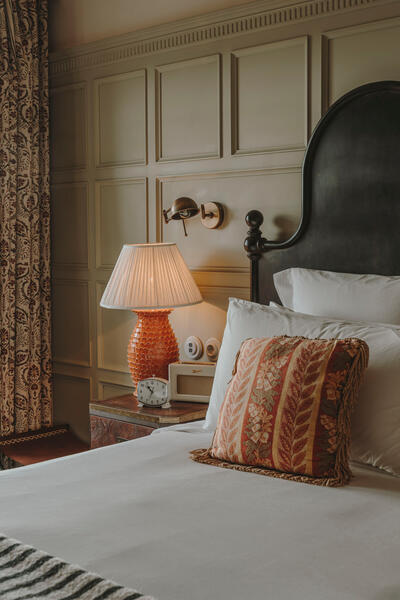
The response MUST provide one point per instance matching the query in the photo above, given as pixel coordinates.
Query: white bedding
(142, 513)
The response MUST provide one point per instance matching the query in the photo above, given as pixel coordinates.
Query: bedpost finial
(253, 245)
(254, 241)
(254, 219)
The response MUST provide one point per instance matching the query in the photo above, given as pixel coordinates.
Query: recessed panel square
(362, 54)
(188, 109)
(121, 119)
(275, 192)
(69, 225)
(68, 122)
(114, 328)
(269, 97)
(121, 217)
(71, 404)
(71, 343)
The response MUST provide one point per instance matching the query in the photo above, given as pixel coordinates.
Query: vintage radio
(191, 381)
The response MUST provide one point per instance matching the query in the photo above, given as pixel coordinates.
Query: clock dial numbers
(152, 391)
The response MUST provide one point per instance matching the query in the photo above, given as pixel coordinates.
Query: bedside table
(120, 419)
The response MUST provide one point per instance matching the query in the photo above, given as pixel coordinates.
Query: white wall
(73, 22)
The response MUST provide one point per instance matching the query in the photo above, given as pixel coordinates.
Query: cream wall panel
(71, 403)
(364, 54)
(70, 225)
(121, 217)
(110, 390)
(276, 192)
(269, 97)
(204, 320)
(71, 329)
(68, 119)
(114, 328)
(188, 109)
(120, 115)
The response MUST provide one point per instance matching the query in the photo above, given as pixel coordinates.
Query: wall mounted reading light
(182, 208)
(211, 213)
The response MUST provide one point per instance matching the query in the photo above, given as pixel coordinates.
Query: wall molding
(258, 16)
(119, 388)
(220, 295)
(61, 89)
(80, 283)
(102, 365)
(161, 155)
(108, 80)
(334, 34)
(103, 183)
(236, 149)
(213, 270)
(80, 266)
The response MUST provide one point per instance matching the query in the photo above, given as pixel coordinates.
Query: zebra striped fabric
(27, 573)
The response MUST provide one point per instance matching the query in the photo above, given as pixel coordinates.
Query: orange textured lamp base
(152, 346)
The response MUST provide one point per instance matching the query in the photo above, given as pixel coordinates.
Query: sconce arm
(165, 215)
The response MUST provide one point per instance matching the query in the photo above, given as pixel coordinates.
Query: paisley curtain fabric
(287, 409)
(25, 331)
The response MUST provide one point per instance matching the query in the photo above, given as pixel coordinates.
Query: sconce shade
(184, 208)
(150, 277)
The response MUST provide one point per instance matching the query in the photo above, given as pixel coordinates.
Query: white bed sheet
(142, 513)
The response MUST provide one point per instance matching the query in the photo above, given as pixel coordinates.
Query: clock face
(152, 391)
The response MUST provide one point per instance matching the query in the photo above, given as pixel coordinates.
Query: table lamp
(151, 280)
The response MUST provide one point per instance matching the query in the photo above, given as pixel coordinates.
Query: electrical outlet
(193, 347)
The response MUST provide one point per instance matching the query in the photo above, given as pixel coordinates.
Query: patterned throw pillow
(287, 409)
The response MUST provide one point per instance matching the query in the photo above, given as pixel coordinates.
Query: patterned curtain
(25, 328)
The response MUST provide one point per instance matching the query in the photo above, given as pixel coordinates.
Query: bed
(143, 514)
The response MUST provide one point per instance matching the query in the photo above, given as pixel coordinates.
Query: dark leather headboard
(351, 195)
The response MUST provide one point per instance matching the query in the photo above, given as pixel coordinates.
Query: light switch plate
(212, 349)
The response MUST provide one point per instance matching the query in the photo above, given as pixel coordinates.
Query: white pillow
(376, 421)
(373, 298)
(395, 328)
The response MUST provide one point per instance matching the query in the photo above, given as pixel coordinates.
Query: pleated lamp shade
(150, 276)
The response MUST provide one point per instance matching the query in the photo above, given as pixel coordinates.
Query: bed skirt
(29, 573)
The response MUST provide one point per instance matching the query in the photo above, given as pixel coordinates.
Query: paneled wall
(218, 112)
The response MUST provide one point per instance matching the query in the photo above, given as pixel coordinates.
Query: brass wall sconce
(211, 213)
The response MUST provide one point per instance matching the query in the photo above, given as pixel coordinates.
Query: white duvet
(142, 513)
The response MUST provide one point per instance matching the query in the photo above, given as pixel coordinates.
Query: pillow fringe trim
(342, 472)
(342, 468)
(203, 455)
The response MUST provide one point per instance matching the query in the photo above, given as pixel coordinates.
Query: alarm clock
(153, 392)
